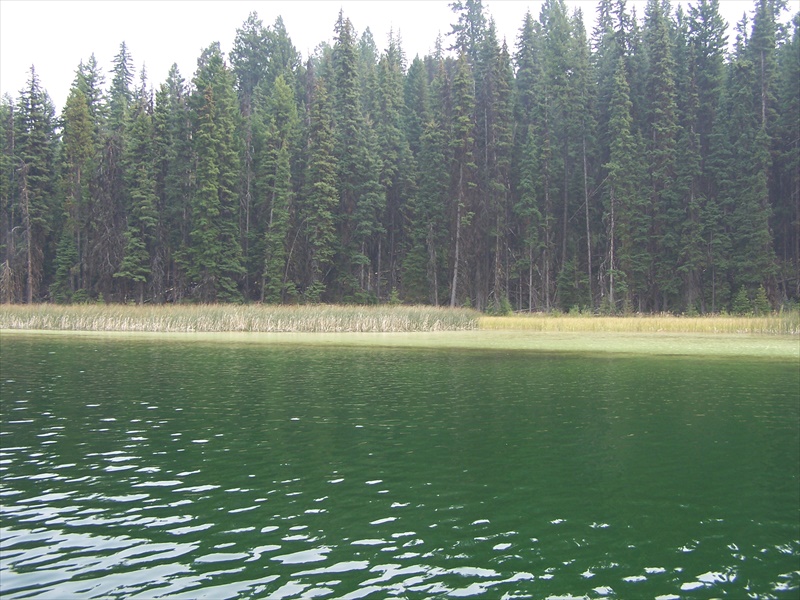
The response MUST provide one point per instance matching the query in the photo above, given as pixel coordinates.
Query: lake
(143, 469)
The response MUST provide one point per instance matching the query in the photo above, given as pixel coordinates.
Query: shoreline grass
(219, 318)
(787, 323)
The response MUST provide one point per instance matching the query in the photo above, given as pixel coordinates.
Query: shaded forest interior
(650, 165)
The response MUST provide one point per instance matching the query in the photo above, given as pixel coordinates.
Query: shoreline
(688, 345)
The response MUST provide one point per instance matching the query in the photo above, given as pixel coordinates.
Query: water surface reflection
(144, 470)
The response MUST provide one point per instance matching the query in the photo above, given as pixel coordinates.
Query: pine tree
(321, 195)
(688, 170)
(584, 129)
(746, 193)
(174, 158)
(627, 215)
(398, 169)
(494, 111)
(215, 256)
(90, 235)
(108, 246)
(662, 133)
(786, 180)
(361, 200)
(249, 60)
(463, 175)
(78, 151)
(470, 28)
(11, 276)
(34, 157)
(281, 122)
(525, 164)
(140, 188)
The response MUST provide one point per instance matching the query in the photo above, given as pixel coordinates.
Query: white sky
(56, 36)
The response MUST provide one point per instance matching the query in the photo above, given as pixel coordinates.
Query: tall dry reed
(235, 318)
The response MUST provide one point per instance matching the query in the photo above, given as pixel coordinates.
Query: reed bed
(786, 323)
(357, 319)
(235, 318)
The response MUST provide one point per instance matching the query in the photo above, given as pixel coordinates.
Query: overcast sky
(56, 36)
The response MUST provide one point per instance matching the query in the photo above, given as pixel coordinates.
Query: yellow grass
(781, 324)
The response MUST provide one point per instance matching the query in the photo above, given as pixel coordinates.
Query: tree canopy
(652, 165)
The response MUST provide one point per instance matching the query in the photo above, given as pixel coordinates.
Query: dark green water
(141, 469)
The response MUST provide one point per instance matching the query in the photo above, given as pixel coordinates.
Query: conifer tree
(470, 28)
(398, 170)
(249, 60)
(627, 215)
(662, 133)
(34, 156)
(463, 175)
(281, 122)
(320, 194)
(786, 163)
(10, 279)
(174, 159)
(746, 193)
(494, 111)
(140, 187)
(78, 154)
(525, 163)
(215, 256)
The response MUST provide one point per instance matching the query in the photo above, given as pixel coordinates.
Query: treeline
(647, 166)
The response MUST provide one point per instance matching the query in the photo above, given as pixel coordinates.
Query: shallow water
(135, 469)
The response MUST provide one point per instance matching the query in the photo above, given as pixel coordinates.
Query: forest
(650, 165)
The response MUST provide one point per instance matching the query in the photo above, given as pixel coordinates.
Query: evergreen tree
(361, 200)
(398, 169)
(786, 164)
(494, 113)
(525, 163)
(746, 189)
(109, 209)
(662, 133)
(469, 29)
(627, 215)
(140, 187)
(9, 279)
(321, 195)
(215, 256)
(462, 177)
(174, 159)
(249, 60)
(90, 234)
(281, 121)
(34, 156)
(425, 258)
(79, 152)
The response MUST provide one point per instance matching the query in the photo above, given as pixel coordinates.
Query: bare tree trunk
(588, 227)
(453, 287)
(456, 257)
(530, 277)
(26, 219)
(432, 270)
(613, 266)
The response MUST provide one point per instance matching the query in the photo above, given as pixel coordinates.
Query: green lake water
(147, 469)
